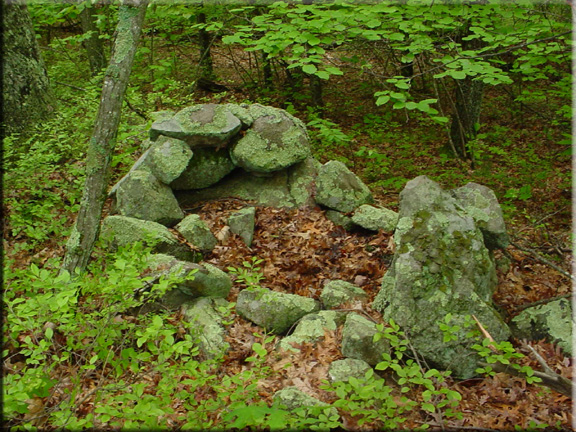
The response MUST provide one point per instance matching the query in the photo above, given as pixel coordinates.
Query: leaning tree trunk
(93, 44)
(25, 86)
(87, 227)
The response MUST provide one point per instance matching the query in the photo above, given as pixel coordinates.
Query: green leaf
(426, 406)
(456, 74)
(309, 69)
(382, 100)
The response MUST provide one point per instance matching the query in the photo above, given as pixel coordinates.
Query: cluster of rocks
(443, 263)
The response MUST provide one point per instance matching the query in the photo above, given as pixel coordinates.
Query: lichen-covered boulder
(358, 340)
(207, 327)
(312, 328)
(242, 223)
(121, 231)
(274, 311)
(440, 267)
(293, 398)
(195, 230)
(481, 204)
(198, 280)
(141, 195)
(343, 370)
(274, 141)
(374, 218)
(337, 292)
(552, 321)
(207, 167)
(340, 189)
(302, 181)
(270, 191)
(167, 158)
(208, 125)
(340, 219)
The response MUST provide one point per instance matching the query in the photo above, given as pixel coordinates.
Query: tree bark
(87, 227)
(25, 85)
(468, 101)
(93, 45)
(467, 105)
(204, 42)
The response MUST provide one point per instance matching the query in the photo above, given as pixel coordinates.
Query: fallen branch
(549, 378)
(544, 301)
(543, 260)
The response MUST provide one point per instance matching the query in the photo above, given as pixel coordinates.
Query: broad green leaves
(444, 41)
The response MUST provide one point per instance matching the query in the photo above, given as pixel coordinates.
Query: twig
(543, 260)
(544, 301)
(70, 85)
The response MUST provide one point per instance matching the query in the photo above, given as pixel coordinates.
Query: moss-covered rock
(312, 328)
(440, 267)
(274, 141)
(340, 189)
(207, 167)
(343, 370)
(207, 327)
(358, 340)
(274, 311)
(270, 191)
(196, 231)
(242, 223)
(480, 203)
(337, 292)
(552, 321)
(374, 218)
(120, 231)
(141, 195)
(167, 159)
(208, 125)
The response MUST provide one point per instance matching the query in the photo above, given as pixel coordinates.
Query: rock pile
(443, 264)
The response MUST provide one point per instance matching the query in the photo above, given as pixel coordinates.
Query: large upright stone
(440, 267)
(339, 188)
(207, 125)
(481, 204)
(276, 140)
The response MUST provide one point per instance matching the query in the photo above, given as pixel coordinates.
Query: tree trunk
(207, 69)
(87, 227)
(316, 93)
(267, 72)
(25, 84)
(93, 45)
(468, 101)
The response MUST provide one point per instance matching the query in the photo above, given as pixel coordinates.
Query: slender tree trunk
(468, 102)
(87, 227)
(267, 72)
(93, 45)
(316, 93)
(25, 86)
(207, 69)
